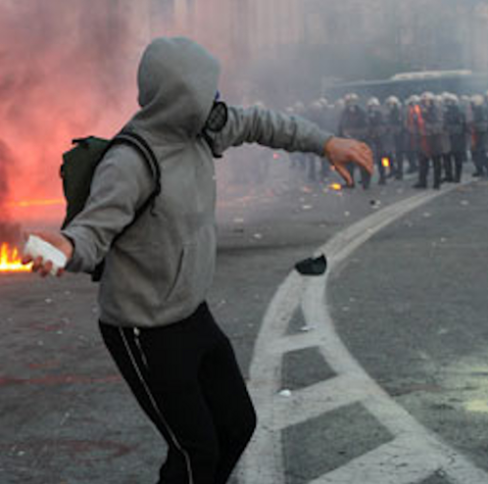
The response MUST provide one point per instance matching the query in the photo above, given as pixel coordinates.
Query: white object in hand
(37, 247)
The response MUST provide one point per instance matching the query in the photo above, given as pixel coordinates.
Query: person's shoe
(437, 186)
(477, 174)
(382, 181)
(448, 179)
(419, 185)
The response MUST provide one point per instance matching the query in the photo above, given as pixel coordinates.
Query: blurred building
(421, 34)
(221, 25)
(328, 39)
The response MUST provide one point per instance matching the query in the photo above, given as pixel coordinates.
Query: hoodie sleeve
(120, 185)
(272, 129)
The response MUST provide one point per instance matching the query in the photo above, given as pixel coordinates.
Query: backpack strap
(135, 140)
(142, 147)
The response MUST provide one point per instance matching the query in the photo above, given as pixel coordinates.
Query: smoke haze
(68, 68)
(64, 73)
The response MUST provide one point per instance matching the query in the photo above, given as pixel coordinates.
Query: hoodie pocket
(195, 273)
(181, 286)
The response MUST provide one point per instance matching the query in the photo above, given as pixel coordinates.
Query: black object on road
(312, 266)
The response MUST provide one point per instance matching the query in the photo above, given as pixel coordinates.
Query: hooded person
(154, 318)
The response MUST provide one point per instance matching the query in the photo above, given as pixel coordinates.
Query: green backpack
(79, 166)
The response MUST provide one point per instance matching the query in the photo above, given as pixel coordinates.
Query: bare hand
(44, 266)
(342, 151)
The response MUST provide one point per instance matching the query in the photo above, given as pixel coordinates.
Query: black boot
(436, 160)
(459, 172)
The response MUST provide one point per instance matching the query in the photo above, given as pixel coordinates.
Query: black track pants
(187, 380)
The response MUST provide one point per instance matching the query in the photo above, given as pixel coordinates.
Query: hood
(178, 81)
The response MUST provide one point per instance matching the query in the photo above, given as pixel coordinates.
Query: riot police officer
(376, 135)
(445, 139)
(411, 132)
(456, 127)
(353, 124)
(395, 136)
(430, 129)
(479, 132)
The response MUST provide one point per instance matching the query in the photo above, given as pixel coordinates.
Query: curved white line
(415, 452)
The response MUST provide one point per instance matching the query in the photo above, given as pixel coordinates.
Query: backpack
(79, 166)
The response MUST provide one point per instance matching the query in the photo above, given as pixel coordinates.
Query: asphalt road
(409, 305)
(412, 306)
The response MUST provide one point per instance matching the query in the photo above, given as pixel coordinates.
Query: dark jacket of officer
(353, 123)
(431, 131)
(479, 128)
(395, 134)
(376, 131)
(456, 126)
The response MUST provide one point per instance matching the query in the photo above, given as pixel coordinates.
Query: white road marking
(414, 454)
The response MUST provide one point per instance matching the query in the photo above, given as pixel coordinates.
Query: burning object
(10, 260)
(36, 203)
(335, 186)
(10, 257)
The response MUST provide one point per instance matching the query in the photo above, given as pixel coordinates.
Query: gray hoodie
(160, 269)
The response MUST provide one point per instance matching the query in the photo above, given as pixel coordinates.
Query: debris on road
(375, 203)
(314, 266)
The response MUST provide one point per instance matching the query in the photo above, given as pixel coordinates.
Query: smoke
(9, 232)
(314, 44)
(67, 70)
(5, 160)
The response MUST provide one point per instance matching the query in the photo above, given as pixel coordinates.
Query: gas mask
(218, 116)
(216, 121)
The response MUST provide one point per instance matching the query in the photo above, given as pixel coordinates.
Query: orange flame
(37, 203)
(386, 162)
(10, 260)
(336, 186)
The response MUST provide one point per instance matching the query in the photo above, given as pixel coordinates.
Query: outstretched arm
(291, 133)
